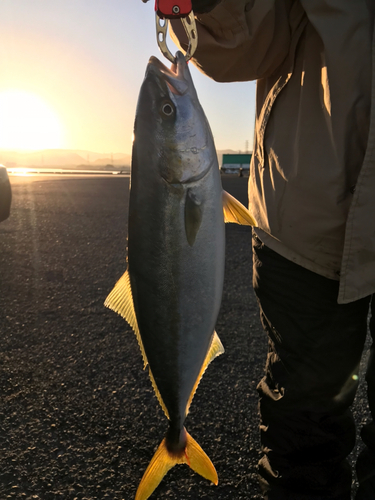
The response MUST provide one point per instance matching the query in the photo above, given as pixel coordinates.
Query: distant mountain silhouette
(72, 158)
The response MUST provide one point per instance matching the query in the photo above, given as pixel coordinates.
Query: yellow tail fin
(199, 461)
(163, 461)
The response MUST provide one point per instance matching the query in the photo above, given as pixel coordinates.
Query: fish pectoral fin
(120, 300)
(193, 216)
(216, 348)
(235, 212)
(163, 461)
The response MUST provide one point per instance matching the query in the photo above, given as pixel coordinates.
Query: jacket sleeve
(240, 40)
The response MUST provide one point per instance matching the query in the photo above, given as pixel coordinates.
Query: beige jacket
(312, 175)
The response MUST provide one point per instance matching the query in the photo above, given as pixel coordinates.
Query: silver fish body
(176, 246)
(171, 291)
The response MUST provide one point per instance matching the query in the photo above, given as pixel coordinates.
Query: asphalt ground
(78, 417)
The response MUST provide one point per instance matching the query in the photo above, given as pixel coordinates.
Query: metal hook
(191, 32)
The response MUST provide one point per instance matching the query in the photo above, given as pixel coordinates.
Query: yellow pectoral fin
(120, 300)
(163, 461)
(216, 348)
(235, 212)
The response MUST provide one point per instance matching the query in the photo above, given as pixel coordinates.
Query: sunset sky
(70, 73)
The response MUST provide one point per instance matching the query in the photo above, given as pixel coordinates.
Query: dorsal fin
(216, 348)
(235, 212)
(120, 300)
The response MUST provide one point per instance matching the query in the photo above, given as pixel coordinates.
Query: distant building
(236, 163)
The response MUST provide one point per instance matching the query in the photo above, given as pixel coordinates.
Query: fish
(171, 291)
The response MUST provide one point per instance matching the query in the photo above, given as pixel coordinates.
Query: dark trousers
(315, 347)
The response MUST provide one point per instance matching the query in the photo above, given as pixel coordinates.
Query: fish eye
(167, 109)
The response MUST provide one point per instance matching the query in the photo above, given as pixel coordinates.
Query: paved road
(78, 418)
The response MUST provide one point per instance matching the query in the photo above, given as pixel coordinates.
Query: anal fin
(157, 393)
(216, 348)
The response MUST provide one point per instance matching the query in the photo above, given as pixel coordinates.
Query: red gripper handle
(173, 9)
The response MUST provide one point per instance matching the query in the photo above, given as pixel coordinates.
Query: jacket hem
(281, 249)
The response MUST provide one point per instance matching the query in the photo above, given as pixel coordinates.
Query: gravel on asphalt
(78, 417)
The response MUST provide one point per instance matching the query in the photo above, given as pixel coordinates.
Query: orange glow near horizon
(27, 122)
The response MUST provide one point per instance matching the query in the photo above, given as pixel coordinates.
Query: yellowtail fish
(171, 292)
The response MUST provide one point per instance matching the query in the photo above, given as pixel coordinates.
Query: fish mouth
(175, 77)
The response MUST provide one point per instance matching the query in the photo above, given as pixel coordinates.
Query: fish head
(171, 132)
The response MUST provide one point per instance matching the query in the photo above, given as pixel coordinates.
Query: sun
(27, 122)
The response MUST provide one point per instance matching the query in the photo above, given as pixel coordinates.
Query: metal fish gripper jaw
(175, 9)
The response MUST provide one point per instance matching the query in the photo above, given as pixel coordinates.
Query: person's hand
(204, 6)
(201, 6)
